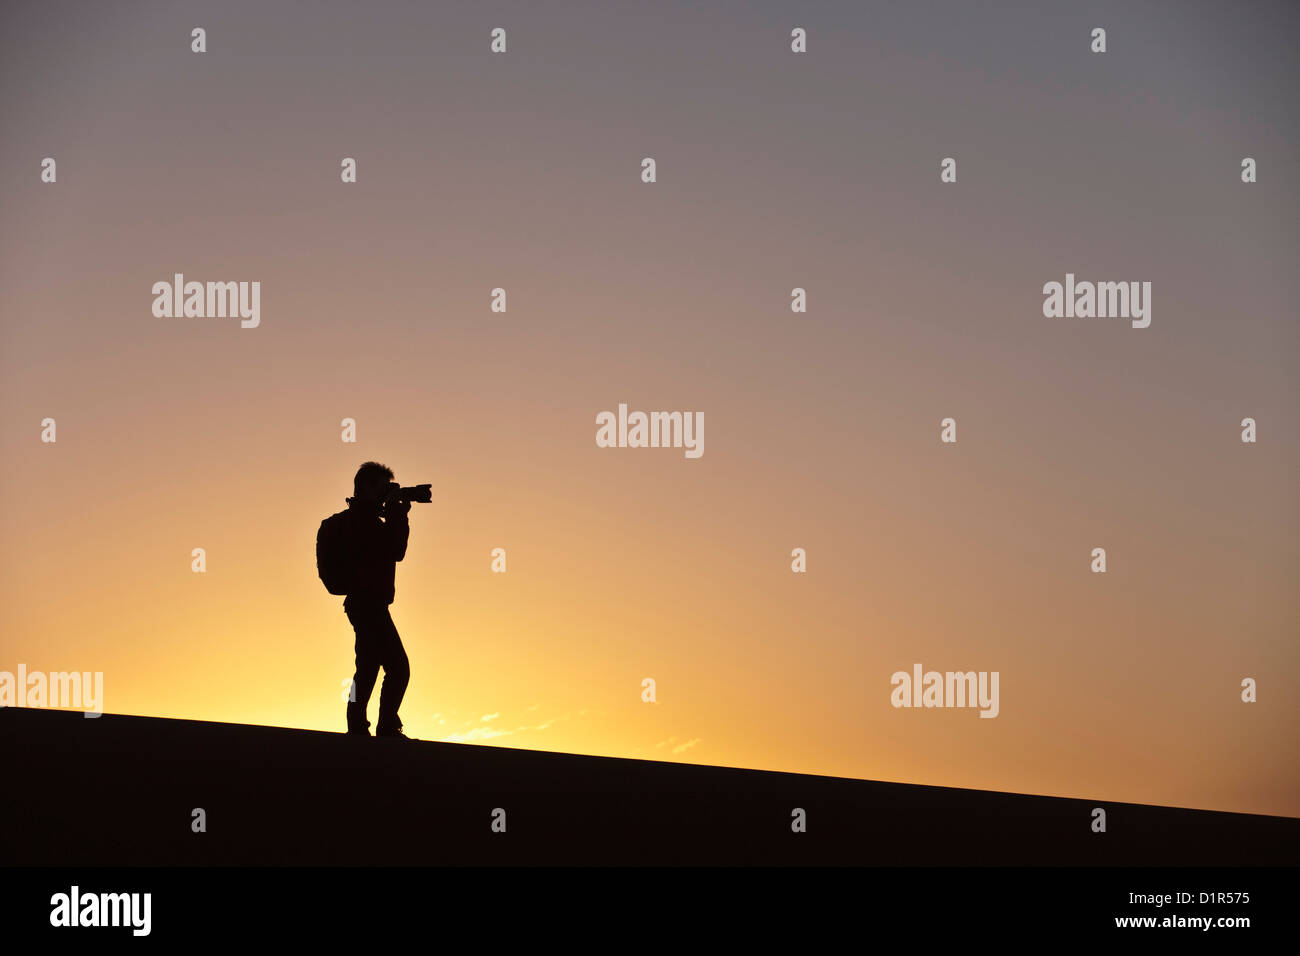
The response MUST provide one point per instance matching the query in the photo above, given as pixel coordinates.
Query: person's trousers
(378, 645)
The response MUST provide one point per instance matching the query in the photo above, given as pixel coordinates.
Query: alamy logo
(71, 691)
(653, 430)
(103, 909)
(1086, 300)
(210, 300)
(950, 689)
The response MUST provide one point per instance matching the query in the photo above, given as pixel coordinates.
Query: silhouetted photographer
(357, 551)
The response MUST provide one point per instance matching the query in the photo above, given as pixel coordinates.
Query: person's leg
(397, 674)
(371, 638)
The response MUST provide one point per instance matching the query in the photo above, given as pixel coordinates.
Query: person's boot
(391, 729)
(358, 726)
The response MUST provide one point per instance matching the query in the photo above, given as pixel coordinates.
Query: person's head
(371, 483)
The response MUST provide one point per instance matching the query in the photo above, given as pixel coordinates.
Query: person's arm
(397, 525)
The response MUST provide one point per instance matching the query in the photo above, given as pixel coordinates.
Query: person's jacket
(375, 545)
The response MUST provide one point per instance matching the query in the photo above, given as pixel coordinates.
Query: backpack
(333, 554)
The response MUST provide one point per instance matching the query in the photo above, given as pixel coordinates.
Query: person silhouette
(372, 534)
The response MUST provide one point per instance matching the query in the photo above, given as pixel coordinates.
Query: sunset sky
(775, 170)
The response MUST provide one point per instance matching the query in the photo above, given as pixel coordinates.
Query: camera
(420, 493)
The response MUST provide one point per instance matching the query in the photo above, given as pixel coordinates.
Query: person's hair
(369, 471)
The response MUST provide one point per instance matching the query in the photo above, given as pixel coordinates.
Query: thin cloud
(480, 732)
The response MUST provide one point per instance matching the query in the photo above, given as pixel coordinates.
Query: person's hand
(395, 506)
